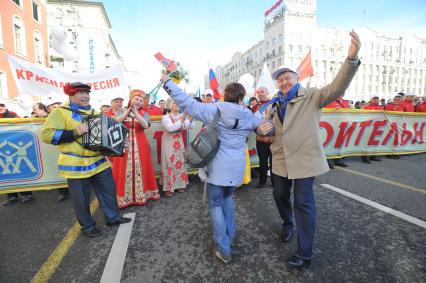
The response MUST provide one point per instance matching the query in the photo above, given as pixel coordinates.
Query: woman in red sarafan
(133, 172)
(173, 171)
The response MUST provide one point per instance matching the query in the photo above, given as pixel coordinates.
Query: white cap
(208, 92)
(117, 98)
(283, 69)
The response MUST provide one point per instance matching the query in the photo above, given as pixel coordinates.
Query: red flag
(214, 85)
(168, 64)
(305, 68)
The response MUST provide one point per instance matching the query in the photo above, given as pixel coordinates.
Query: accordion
(106, 135)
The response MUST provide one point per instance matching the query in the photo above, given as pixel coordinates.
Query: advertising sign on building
(301, 6)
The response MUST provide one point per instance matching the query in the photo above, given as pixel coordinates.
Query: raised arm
(124, 115)
(341, 82)
(169, 126)
(204, 112)
(188, 124)
(143, 120)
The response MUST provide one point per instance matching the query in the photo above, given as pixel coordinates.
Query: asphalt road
(171, 240)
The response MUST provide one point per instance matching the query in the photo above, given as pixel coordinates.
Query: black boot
(375, 158)
(339, 162)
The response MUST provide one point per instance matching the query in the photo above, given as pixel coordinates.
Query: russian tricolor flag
(214, 85)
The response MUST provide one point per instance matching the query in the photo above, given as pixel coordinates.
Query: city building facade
(23, 33)
(389, 64)
(87, 45)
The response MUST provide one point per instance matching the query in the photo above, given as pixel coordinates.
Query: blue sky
(208, 32)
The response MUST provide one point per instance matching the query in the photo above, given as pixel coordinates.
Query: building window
(17, 2)
(3, 85)
(290, 48)
(19, 36)
(1, 35)
(36, 12)
(38, 47)
(299, 48)
(37, 50)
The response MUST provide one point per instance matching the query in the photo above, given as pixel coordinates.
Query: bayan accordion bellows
(106, 135)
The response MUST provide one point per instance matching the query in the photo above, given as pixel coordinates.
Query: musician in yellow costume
(83, 168)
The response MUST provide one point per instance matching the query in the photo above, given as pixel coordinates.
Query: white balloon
(25, 101)
(69, 53)
(58, 33)
(57, 46)
(250, 92)
(59, 43)
(53, 97)
(246, 80)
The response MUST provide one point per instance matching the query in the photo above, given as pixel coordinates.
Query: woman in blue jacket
(226, 169)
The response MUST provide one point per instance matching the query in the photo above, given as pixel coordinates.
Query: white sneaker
(224, 258)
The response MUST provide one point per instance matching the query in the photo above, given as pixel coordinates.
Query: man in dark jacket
(4, 113)
(262, 144)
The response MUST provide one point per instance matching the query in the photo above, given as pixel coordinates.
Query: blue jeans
(222, 215)
(304, 210)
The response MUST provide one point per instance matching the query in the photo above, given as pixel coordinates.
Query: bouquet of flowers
(178, 75)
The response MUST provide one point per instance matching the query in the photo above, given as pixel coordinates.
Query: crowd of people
(291, 156)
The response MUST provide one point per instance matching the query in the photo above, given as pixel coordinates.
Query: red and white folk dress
(173, 170)
(133, 172)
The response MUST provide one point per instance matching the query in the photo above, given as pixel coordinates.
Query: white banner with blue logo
(26, 163)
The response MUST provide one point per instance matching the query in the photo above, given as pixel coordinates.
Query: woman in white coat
(174, 175)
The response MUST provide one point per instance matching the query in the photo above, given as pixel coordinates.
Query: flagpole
(160, 83)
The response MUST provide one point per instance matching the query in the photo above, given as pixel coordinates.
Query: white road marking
(386, 209)
(117, 256)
